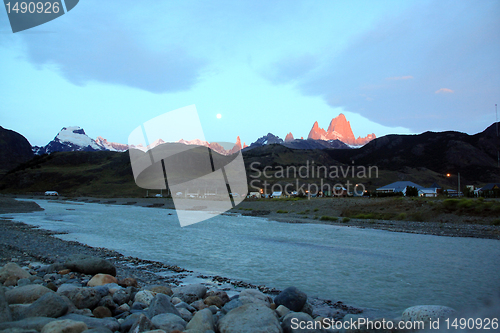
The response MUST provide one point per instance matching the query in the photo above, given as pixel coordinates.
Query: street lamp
(458, 174)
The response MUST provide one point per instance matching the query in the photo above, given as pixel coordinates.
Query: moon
(219, 116)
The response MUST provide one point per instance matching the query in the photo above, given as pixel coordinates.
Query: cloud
(441, 44)
(290, 68)
(89, 46)
(444, 91)
(408, 77)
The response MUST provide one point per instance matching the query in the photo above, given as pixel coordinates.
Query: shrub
(279, 211)
(328, 218)
(496, 222)
(346, 219)
(401, 216)
(316, 209)
(450, 204)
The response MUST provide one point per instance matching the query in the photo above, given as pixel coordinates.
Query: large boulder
(26, 294)
(13, 271)
(49, 305)
(233, 304)
(64, 326)
(254, 296)
(144, 297)
(202, 321)
(161, 304)
(101, 279)
(5, 314)
(36, 323)
(427, 312)
(190, 293)
(292, 298)
(168, 322)
(250, 318)
(90, 265)
(83, 298)
(219, 293)
(143, 324)
(109, 323)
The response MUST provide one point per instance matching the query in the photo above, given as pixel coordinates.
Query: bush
(346, 219)
(279, 211)
(316, 209)
(450, 204)
(328, 218)
(496, 222)
(417, 217)
(401, 216)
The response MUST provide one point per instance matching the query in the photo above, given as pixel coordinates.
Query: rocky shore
(84, 293)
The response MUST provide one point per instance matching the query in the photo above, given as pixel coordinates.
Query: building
(490, 190)
(398, 187)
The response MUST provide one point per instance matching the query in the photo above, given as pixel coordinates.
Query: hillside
(14, 149)
(423, 159)
(474, 156)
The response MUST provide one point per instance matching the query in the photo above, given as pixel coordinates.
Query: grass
(346, 219)
(316, 209)
(280, 211)
(401, 216)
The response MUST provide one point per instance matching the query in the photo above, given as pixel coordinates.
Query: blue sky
(265, 66)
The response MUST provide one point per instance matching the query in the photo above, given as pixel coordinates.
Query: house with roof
(490, 190)
(398, 187)
(431, 191)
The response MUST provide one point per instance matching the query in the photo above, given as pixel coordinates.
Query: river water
(376, 269)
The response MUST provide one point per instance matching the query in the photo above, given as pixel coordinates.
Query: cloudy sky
(264, 66)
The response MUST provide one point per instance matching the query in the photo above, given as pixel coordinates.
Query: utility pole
(498, 151)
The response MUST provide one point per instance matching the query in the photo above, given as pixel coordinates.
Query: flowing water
(376, 269)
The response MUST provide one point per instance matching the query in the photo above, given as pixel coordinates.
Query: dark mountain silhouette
(14, 150)
(474, 156)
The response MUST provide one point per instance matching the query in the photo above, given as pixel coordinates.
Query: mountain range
(424, 158)
(339, 135)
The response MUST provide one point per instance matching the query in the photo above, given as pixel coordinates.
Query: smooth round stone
(23, 282)
(427, 313)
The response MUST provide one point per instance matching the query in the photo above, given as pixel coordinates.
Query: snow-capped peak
(76, 136)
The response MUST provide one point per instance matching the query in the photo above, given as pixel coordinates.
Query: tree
(411, 191)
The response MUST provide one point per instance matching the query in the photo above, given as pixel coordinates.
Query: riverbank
(329, 211)
(25, 244)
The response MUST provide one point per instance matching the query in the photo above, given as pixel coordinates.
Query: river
(376, 269)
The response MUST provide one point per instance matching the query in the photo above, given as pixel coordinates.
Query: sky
(264, 66)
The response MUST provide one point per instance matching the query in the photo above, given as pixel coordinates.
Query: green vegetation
(328, 218)
(316, 209)
(401, 216)
(280, 211)
(474, 207)
(496, 222)
(346, 219)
